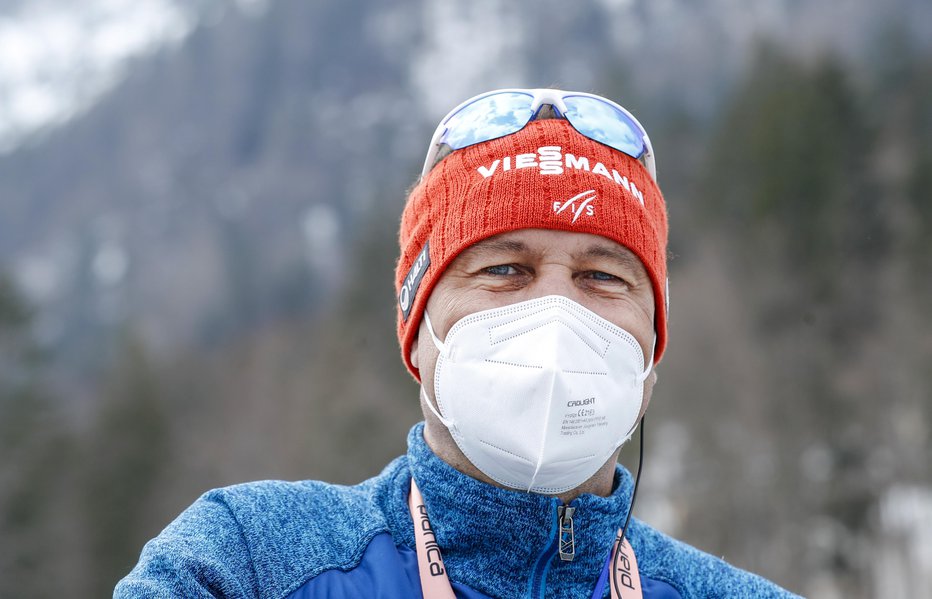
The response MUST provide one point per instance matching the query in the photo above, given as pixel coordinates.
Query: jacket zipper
(562, 540)
(567, 541)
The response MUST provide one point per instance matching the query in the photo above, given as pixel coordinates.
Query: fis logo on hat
(551, 160)
(577, 205)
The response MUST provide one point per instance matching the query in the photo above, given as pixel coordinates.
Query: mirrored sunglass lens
(603, 122)
(488, 118)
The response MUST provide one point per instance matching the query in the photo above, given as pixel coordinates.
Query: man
(532, 297)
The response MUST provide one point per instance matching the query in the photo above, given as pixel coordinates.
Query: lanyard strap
(625, 579)
(435, 584)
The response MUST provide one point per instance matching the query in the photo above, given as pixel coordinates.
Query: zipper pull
(567, 542)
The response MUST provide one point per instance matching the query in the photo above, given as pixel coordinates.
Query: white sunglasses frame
(541, 97)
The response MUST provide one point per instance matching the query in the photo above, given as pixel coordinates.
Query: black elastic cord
(634, 494)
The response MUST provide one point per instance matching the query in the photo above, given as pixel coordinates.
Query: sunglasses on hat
(502, 112)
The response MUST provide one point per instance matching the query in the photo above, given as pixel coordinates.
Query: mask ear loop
(442, 349)
(443, 420)
(650, 361)
(641, 378)
(430, 329)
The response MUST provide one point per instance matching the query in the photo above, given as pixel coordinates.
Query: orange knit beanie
(546, 176)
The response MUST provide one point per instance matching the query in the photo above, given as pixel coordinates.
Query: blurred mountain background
(198, 217)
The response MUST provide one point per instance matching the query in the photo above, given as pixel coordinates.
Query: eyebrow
(622, 255)
(619, 254)
(498, 245)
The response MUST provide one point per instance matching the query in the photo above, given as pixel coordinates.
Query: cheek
(647, 337)
(642, 317)
(635, 319)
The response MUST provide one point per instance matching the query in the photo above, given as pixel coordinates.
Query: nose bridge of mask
(579, 322)
(566, 305)
(551, 310)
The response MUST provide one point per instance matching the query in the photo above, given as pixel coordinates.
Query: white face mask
(539, 394)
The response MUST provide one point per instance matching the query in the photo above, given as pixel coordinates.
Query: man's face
(596, 272)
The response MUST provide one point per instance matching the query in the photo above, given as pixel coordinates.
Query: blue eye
(601, 277)
(501, 270)
(604, 276)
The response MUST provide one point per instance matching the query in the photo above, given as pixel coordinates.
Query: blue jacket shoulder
(694, 573)
(295, 531)
(279, 533)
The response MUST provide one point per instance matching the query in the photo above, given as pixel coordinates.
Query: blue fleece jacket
(275, 540)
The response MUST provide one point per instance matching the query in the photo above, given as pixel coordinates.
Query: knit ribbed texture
(490, 188)
(273, 539)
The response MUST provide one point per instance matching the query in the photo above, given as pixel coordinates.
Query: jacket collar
(503, 542)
